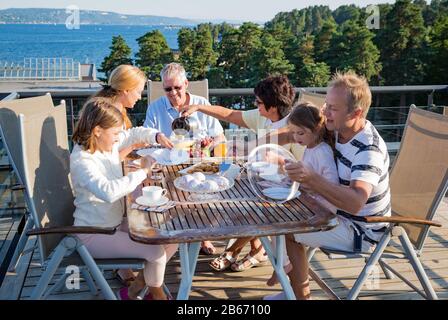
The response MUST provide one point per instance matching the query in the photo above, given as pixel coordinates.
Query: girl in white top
(100, 187)
(306, 123)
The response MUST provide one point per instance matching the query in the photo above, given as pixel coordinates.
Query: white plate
(230, 173)
(178, 184)
(264, 167)
(273, 177)
(145, 202)
(279, 193)
(166, 157)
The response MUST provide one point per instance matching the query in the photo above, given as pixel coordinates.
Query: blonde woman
(125, 87)
(100, 186)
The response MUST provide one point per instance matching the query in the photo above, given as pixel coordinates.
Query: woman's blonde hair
(123, 77)
(307, 115)
(97, 111)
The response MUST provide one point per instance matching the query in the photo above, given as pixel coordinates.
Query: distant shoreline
(100, 24)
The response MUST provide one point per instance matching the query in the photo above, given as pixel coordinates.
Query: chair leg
(374, 257)
(277, 263)
(18, 253)
(56, 287)
(417, 265)
(95, 272)
(389, 275)
(49, 272)
(89, 281)
(310, 253)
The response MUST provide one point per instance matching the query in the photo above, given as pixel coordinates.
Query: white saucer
(279, 193)
(171, 157)
(144, 202)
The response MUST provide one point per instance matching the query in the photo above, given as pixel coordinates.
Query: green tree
(308, 20)
(314, 75)
(402, 44)
(196, 50)
(346, 13)
(120, 53)
(438, 66)
(307, 72)
(353, 49)
(153, 54)
(269, 59)
(322, 41)
(237, 49)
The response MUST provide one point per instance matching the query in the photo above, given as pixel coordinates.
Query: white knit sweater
(98, 182)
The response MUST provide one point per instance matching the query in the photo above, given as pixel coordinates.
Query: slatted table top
(239, 213)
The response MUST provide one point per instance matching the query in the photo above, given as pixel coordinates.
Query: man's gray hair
(172, 70)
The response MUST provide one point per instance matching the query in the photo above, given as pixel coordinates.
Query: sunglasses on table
(169, 89)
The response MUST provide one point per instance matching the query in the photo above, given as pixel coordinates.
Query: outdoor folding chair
(155, 89)
(418, 183)
(10, 108)
(45, 155)
(315, 98)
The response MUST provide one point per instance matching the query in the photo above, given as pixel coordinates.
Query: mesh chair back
(419, 175)
(9, 124)
(155, 89)
(315, 98)
(46, 163)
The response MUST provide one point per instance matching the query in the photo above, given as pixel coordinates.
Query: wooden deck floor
(340, 274)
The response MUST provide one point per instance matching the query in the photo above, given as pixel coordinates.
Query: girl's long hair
(307, 115)
(99, 111)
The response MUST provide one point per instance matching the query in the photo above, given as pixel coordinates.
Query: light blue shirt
(160, 114)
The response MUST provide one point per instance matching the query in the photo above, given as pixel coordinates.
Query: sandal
(253, 262)
(223, 262)
(124, 281)
(207, 250)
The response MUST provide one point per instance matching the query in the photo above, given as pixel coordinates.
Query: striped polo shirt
(365, 158)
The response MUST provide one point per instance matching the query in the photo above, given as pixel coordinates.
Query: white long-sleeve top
(98, 182)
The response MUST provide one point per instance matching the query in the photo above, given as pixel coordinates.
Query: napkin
(159, 209)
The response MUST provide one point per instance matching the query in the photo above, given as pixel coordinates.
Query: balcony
(390, 121)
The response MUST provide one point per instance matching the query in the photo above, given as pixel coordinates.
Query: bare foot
(273, 280)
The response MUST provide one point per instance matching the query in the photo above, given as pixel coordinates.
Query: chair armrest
(396, 219)
(71, 230)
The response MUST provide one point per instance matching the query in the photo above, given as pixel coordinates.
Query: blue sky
(246, 10)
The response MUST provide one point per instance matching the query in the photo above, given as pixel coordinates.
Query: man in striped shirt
(363, 164)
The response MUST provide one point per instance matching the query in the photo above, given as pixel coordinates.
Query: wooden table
(238, 214)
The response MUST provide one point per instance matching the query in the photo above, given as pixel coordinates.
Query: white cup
(153, 193)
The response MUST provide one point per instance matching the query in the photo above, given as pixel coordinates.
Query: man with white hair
(161, 113)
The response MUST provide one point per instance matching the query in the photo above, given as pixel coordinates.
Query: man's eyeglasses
(169, 89)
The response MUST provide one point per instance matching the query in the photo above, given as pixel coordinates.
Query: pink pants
(119, 245)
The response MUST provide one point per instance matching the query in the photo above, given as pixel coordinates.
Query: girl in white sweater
(100, 188)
